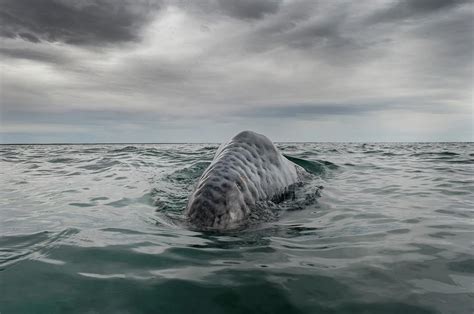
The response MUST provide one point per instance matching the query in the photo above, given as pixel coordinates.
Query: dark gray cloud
(408, 9)
(317, 111)
(319, 32)
(246, 10)
(35, 55)
(92, 22)
(310, 111)
(249, 9)
(325, 30)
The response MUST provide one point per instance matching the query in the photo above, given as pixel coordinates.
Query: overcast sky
(200, 71)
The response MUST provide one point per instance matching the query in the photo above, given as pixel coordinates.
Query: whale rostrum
(246, 170)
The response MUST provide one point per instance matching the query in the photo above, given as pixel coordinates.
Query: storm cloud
(248, 9)
(157, 71)
(407, 9)
(91, 22)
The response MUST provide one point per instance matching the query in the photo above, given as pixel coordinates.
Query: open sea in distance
(99, 229)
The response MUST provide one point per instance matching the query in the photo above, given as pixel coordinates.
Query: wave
(317, 167)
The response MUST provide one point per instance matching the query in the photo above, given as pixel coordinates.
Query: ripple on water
(14, 249)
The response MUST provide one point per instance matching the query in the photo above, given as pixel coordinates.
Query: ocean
(99, 229)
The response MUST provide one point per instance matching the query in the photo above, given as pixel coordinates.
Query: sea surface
(99, 229)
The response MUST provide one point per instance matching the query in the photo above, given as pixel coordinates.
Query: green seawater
(99, 229)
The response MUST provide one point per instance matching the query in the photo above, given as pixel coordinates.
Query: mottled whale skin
(244, 171)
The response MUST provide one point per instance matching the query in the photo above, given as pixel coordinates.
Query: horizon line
(279, 142)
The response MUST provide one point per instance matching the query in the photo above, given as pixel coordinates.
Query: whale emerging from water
(246, 170)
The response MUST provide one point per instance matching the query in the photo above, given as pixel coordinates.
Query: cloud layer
(157, 71)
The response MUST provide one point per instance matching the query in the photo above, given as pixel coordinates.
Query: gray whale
(246, 170)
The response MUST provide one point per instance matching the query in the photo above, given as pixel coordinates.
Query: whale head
(217, 204)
